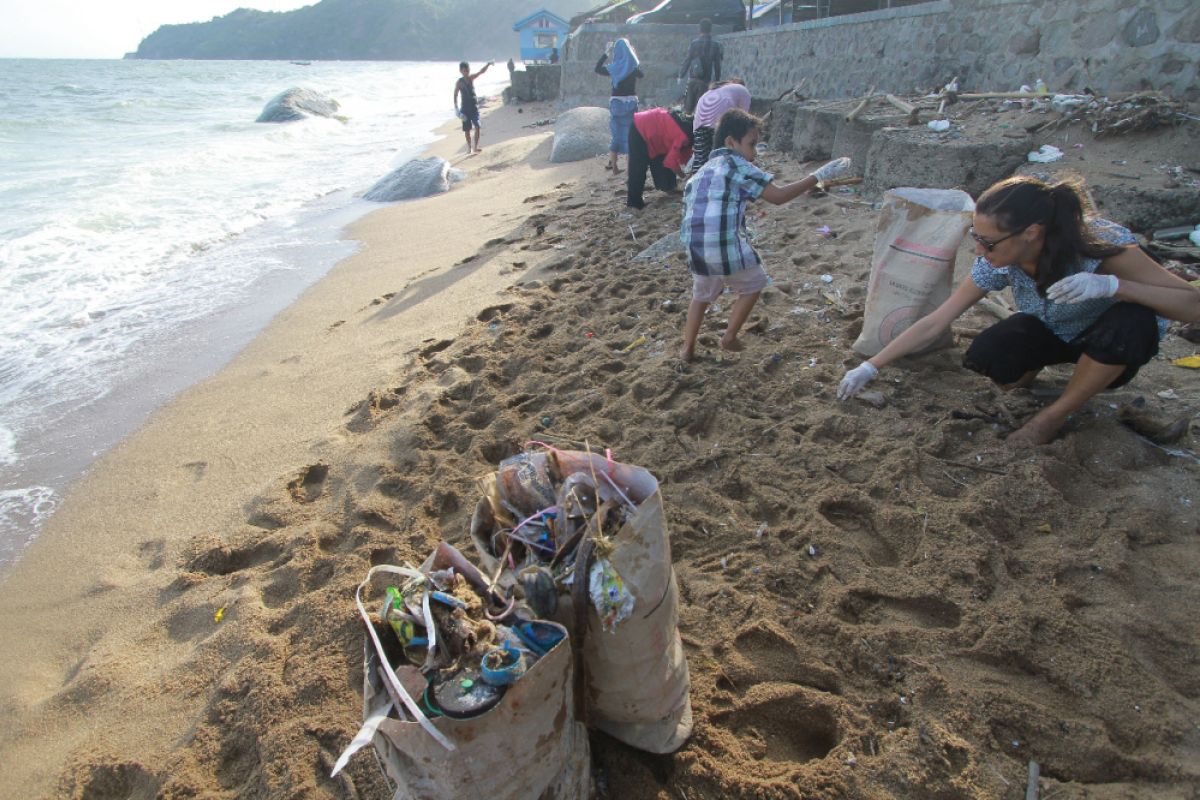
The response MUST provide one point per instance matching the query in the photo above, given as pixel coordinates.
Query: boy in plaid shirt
(714, 227)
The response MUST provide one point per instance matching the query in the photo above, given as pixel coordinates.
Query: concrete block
(783, 118)
(853, 139)
(814, 131)
(916, 157)
(1146, 209)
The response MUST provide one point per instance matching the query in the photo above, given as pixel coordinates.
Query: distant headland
(353, 30)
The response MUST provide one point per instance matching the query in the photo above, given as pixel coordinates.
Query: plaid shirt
(714, 211)
(1066, 320)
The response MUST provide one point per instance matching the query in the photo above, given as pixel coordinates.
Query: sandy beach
(877, 602)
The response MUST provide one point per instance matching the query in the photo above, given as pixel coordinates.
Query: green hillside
(444, 30)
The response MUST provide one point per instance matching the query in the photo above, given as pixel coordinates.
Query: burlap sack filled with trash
(916, 241)
(462, 697)
(584, 540)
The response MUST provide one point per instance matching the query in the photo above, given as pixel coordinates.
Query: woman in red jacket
(661, 140)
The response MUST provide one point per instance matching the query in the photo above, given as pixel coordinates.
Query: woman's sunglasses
(990, 244)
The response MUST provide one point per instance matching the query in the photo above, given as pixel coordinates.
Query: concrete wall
(991, 45)
(535, 82)
(660, 48)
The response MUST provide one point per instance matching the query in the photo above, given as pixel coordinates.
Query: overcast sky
(104, 28)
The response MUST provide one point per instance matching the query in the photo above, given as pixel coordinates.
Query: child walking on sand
(714, 233)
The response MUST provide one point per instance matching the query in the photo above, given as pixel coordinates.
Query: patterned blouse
(1065, 320)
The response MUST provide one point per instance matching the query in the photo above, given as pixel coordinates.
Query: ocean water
(149, 227)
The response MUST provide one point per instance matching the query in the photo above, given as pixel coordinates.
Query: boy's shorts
(470, 120)
(707, 288)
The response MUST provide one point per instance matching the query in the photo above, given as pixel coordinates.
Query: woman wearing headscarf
(624, 72)
(721, 96)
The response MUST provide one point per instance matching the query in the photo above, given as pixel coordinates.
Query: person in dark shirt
(468, 111)
(623, 72)
(554, 55)
(702, 65)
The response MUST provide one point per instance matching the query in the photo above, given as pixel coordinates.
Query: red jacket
(664, 137)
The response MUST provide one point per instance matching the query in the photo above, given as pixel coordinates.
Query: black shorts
(470, 119)
(1124, 335)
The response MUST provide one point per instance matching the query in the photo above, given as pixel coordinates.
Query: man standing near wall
(702, 65)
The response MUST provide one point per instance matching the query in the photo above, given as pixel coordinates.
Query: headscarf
(715, 102)
(624, 61)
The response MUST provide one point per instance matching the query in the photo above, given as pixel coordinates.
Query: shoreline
(137, 341)
(278, 406)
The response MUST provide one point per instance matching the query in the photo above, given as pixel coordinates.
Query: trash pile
(468, 654)
(571, 621)
(535, 514)
(583, 540)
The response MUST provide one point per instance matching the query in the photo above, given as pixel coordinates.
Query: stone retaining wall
(991, 45)
(660, 48)
(535, 82)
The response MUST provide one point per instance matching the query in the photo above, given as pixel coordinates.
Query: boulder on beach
(294, 104)
(580, 133)
(420, 177)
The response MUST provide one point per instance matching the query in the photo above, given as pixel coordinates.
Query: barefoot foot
(731, 345)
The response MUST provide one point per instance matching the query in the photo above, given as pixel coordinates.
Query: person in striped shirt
(714, 236)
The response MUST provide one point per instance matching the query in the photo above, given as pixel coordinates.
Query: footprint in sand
(115, 780)
(856, 519)
(779, 727)
(308, 486)
(869, 608)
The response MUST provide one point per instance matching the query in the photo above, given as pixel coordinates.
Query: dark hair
(1021, 201)
(706, 25)
(684, 121)
(719, 84)
(463, 65)
(735, 123)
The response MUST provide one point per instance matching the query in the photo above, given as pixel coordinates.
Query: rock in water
(420, 177)
(295, 104)
(580, 133)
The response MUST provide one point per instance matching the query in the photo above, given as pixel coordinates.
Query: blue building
(542, 35)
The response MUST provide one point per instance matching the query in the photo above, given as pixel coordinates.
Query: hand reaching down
(855, 380)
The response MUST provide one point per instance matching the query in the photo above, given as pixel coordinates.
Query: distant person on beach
(702, 65)
(468, 110)
(720, 97)
(554, 55)
(511, 67)
(714, 236)
(623, 72)
(661, 141)
(1085, 294)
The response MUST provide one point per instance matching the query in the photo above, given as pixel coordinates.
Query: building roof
(524, 21)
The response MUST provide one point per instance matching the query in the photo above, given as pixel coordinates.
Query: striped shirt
(714, 214)
(1065, 320)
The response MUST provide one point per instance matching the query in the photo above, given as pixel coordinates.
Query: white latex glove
(854, 380)
(1083, 286)
(835, 169)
